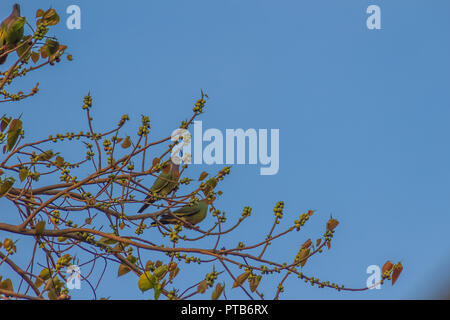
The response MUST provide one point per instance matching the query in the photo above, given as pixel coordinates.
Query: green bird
(11, 32)
(163, 185)
(192, 214)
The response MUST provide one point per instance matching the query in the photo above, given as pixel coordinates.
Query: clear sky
(363, 118)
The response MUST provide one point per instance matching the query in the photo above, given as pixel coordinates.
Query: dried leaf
(201, 288)
(123, 269)
(50, 17)
(35, 56)
(203, 175)
(126, 143)
(217, 291)
(39, 13)
(387, 267)
(396, 273)
(307, 244)
(254, 282)
(332, 224)
(241, 279)
(302, 256)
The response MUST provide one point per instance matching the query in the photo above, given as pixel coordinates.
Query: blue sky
(363, 118)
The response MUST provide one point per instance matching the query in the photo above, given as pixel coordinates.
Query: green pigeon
(11, 32)
(163, 185)
(192, 214)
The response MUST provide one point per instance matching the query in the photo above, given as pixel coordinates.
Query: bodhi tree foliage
(83, 212)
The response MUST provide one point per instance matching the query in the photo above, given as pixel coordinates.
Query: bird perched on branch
(11, 32)
(163, 185)
(192, 214)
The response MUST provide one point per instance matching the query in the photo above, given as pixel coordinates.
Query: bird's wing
(187, 211)
(160, 182)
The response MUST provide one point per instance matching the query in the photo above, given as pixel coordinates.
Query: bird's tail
(147, 202)
(166, 219)
(145, 206)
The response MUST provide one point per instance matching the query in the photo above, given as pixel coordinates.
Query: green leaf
(45, 274)
(6, 285)
(15, 124)
(52, 294)
(4, 123)
(23, 47)
(46, 155)
(158, 290)
(23, 174)
(15, 128)
(50, 48)
(160, 271)
(38, 282)
(59, 161)
(146, 281)
(40, 227)
(106, 240)
(6, 185)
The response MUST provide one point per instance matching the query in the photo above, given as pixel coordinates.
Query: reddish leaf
(387, 267)
(307, 244)
(396, 273)
(241, 279)
(332, 224)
